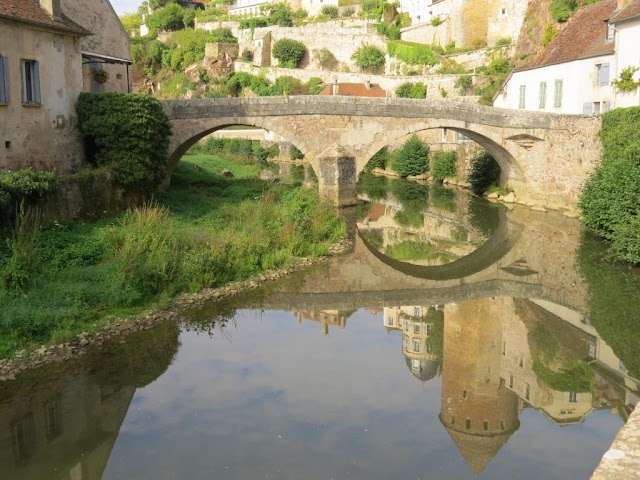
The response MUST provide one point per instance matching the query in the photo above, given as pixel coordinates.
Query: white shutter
(587, 108)
(604, 74)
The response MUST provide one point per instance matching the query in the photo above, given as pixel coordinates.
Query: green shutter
(557, 99)
(523, 90)
(543, 95)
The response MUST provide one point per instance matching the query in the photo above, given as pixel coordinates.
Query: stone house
(573, 74)
(463, 22)
(47, 52)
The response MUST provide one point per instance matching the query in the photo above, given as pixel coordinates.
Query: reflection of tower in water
(478, 411)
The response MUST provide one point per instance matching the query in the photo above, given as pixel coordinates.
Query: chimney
(622, 4)
(52, 7)
(367, 84)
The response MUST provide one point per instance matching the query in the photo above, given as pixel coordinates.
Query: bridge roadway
(544, 157)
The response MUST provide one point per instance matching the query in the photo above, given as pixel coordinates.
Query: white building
(626, 24)
(573, 74)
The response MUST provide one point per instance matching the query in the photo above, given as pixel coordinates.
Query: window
(523, 90)
(587, 108)
(416, 329)
(30, 73)
(602, 74)
(444, 135)
(573, 397)
(464, 394)
(543, 95)
(596, 107)
(611, 32)
(461, 137)
(486, 425)
(467, 423)
(416, 345)
(557, 96)
(4, 80)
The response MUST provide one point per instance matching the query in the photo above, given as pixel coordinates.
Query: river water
(458, 339)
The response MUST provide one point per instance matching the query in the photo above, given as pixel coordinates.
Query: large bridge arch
(547, 156)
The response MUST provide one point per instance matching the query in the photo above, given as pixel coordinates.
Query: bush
(295, 153)
(503, 41)
(392, 32)
(610, 202)
(315, 85)
(24, 185)
(411, 90)
(127, 133)
(288, 52)
(443, 165)
(561, 10)
(188, 46)
(169, 18)
(549, 34)
(435, 21)
(412, 158)
(330, 11)
(379, 159)
(484, 171)
(412, 53)
(325, 59)
(247, 55)
(288, 85)
(464, 84)
(369, 58)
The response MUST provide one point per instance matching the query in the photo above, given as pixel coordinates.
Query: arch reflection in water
(63, 424)
(498, 356)
(431, 231)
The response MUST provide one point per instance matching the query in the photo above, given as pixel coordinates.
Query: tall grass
(206, 231)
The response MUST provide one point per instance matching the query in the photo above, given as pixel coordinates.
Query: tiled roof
(354, 90)
(30, 11)
(585, 36)
(632, 10)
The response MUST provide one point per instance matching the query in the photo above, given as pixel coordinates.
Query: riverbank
(207, 231)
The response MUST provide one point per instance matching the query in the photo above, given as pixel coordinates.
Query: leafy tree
(288, 52)
(443, 165)
(379, 159)
(412, 158)
(369, 58)
(325, 59)
(561, 10)
(131, 22)
(484, 171)
(169, 18)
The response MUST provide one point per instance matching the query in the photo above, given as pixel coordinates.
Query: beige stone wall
(42, 136)
(98, 16)
(118, 79)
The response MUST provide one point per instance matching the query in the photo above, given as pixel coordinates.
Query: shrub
(288, 52)
(127, 133)
(247, 55)
(169, 18)
(315, 85)
(369, 58)
(435, 21)
(503, 41)
(24, 186)
(378, 160)
(484, 171)
(391, 31)
(188, 46)
(464, 84)
(411, 90)
(252, 23)
(561, 10)
(412, 158)
(288, 85)
(443, 165)
(325, 59)
(412, 53)
(625, 82)
(295, 153)
(549, 34)
(280, 14)
(330, 11)
(610, 202)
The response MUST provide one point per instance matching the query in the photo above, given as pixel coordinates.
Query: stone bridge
(544, 157)
(530, 255)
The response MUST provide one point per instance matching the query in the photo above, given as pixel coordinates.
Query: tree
(169, 18)
(412, 158)
(288, 52)
(369, 58)
(131, 22)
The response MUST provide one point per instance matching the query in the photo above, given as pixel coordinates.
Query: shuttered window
(4, 80)
(543, 95)
(603, 74)
(523, 90)
(557, 96)
(587, 108)
(30, 74)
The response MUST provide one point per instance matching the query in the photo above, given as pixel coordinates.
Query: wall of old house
(42, 136)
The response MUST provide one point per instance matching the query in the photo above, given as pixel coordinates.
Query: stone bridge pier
(544, 157)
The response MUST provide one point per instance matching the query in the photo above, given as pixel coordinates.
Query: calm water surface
(458, 339)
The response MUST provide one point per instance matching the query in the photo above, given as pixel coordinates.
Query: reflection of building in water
(63, 426)
(326, 318)
(502, 354)
(478, 411)
(65, 430)
(421, 329)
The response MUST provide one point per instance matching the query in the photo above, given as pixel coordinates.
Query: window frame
(542, 96)
(522, 98)
(5, 90)
(557, 93)
(30, 70)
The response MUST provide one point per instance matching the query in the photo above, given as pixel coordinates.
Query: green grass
(205, 231)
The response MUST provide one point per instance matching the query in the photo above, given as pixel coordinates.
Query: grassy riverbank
(205, 231)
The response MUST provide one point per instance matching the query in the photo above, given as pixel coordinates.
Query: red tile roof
(631, 11)
(584, 37)
(30, 11)
(354, 90)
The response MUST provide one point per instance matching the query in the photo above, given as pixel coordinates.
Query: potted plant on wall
(99, 75)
